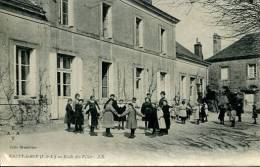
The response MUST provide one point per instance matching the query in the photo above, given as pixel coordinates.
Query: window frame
(18, 66)
(62, 12)
(61, 70)
(110, 21)
(140, 37)
(255, 71)
(108, 66)
(183, 87)
(228, 73)
(163, 40)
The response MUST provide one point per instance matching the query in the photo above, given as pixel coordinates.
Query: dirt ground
(204, 144)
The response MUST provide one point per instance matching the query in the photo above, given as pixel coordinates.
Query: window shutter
(164, 42)
(32, 81)
(109, 23)
(53, 85)
(141, 34)
(77, 70)
(70, 13)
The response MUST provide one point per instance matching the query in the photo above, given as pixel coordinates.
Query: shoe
(93, 134)
(109, 135)
(160, 134)
(131, 137)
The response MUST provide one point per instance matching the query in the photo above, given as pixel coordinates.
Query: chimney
(216, 43)
(198, 49)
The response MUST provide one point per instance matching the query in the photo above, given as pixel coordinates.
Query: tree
(152, 83)
(238, 17)
(7, 88)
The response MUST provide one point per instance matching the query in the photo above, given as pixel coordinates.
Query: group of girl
(155, 117)
(183, 110)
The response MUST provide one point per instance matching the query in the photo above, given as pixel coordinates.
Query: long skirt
(161, 123)
(108, 119)
(131, 124)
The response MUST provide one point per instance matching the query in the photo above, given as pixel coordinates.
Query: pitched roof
(148, 5)
(25, 6)
(245, 48)
(186, 54)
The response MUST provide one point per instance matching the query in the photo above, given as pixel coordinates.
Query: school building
(57, 48)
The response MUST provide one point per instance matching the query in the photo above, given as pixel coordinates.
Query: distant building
(237, 67)
(191, 71)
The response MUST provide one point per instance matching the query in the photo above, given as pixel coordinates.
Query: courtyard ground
(205, 144)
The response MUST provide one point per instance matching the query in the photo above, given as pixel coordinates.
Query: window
(139, 32)
(64, 75)
(162, 81)
(192, 86)
(105, 79)
(183, 87)
(23, 56)
(163, 41)
(251, 71)
(201, 86)
(224, 73)
(106, 20)
(64, 12)
(138, 77)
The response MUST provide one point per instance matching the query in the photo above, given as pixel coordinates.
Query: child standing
(255, 115)
(153, 121)
(69, 114)
(196, 112)
(232, 116)
(146, 110)
(222, 111)
(79, 118)
(166, 115)
(183, 111)
(121, 110)
(203, 111)
(161, 121)
(131, 119)
(93, 114)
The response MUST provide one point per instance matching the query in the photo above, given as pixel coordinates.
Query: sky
(195, 22)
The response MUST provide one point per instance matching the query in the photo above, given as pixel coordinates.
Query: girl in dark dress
(79, 118)
(166, 115)
(69, 114)
(146, 110)
(221, 116)
(92, 112)
(153, 122)
(121, 110)
(203, 112)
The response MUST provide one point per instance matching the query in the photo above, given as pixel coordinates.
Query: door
(64, 75)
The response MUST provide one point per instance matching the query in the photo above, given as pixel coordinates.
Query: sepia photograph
(129, 82)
